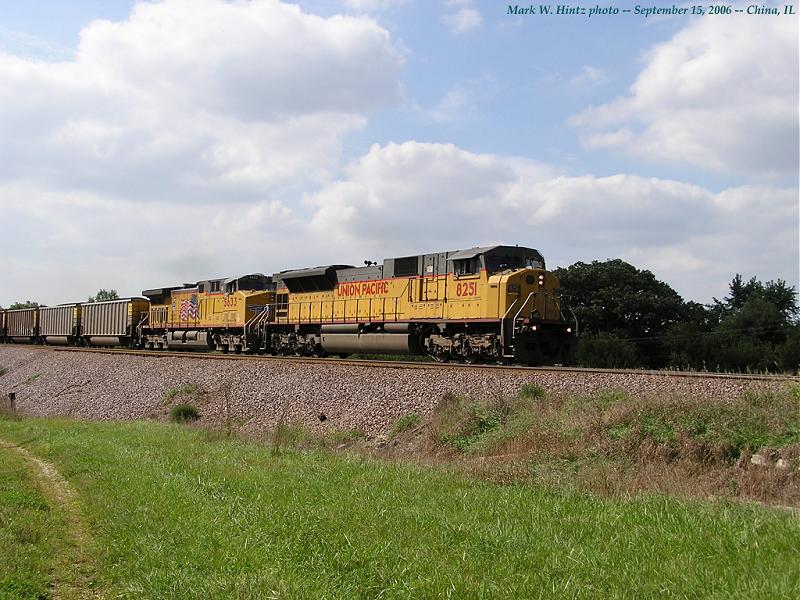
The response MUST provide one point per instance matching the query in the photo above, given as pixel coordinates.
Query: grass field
(177, 513)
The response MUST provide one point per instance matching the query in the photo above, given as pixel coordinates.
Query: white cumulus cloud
(415, 197)
(721, 94)
(196, 99)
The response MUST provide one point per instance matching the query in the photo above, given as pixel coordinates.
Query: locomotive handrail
(140, 325)
(524, 304)
(503, 326)
(256, 320)
(575, 318)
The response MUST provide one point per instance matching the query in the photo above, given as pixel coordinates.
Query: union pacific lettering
(363, 288)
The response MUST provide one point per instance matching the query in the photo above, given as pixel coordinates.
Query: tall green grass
(178, 516)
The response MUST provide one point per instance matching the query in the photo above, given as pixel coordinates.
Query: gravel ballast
(253, 394)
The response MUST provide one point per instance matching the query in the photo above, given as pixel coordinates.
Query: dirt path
(73, 575)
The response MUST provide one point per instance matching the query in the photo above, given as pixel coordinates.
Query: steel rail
(399, 364)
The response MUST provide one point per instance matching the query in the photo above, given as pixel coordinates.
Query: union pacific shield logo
(189, 308)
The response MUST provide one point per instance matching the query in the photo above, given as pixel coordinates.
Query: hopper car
(492, 303)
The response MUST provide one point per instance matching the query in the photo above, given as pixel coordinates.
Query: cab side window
(469, 266)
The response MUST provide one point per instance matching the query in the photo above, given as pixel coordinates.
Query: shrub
(607, 351)
(181, 413)
(404, 423)
(530, 391)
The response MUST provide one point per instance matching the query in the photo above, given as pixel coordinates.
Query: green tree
(26, 304)
(103, 295)
(615, 298)
(777, 293)
(754, 328)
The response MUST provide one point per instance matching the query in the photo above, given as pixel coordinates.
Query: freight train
(493, 303)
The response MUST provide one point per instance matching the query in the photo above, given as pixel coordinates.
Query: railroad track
(399, 364)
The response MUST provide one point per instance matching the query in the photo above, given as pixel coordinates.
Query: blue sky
(328, 132)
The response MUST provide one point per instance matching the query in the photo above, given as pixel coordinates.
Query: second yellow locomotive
(227, 314)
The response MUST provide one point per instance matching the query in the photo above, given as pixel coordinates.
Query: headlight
(513, 288)
(569, 329)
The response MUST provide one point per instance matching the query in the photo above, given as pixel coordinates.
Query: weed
(606, 398)
(182, 413)
(404, 423)
(461, 422)
(656, 427)
(191, 389)
(531, 391)
(32, 378)
(3, 371)
(619, 431)
(188, 390)
(280, 437)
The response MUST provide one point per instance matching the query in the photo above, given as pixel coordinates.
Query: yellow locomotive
(489, 303)
(227, 314)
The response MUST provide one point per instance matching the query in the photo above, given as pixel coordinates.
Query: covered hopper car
(22, 325)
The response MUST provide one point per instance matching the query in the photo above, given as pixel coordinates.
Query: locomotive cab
(510, 284)
(534, 327)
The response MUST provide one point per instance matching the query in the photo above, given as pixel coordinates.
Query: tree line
(628, 318)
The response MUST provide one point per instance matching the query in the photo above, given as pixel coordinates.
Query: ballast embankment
(254, 396)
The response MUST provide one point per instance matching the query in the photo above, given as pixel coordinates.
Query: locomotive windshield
(495, 263)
